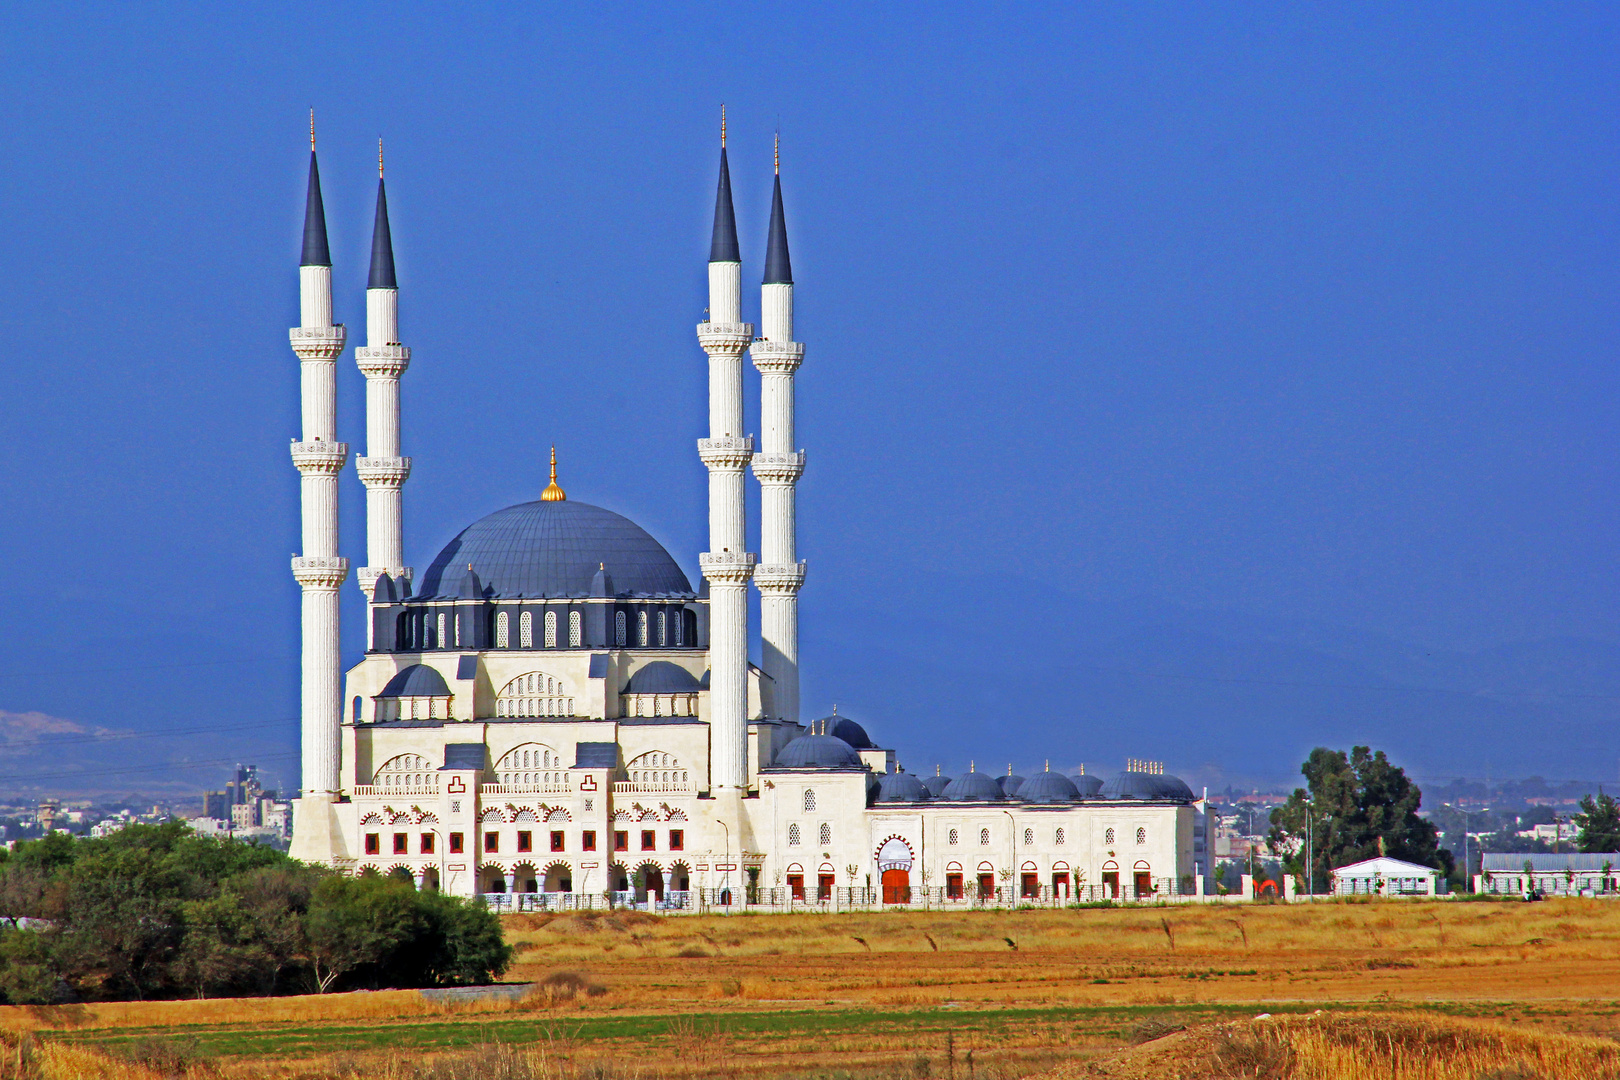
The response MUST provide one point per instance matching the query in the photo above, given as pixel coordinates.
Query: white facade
(1388, 877)
(566, 725)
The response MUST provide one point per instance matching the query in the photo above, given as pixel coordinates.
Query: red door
(824, 886)
(896, 887)
(1029, 886)
(796, 885)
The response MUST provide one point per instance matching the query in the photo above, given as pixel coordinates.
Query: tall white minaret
(727, 565)
(778, 467)
(382, 361)
(319, 458)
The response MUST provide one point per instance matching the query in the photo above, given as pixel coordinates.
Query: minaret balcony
(320, 571)
(777, 357)
(366, 576)
(383, 361)
(733, 567)
(779, 577)
(318, 342)
(731, 452)
(779, 468)
(320, 456)
(726, 339)
(383, 472)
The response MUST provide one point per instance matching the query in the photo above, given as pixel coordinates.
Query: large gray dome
(1049, 787)
(1147, 786)
(936, 785)
(554, 549)
(817, 752)
(1089, 786)
(901, 787)
(973, 787)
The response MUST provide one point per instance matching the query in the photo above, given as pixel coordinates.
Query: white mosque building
(551, 709)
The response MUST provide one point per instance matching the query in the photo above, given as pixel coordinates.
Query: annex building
(552, 708)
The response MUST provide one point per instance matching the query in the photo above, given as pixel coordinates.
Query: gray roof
(973, 787)
(467, 667)
(554, 549)
(1010, 784)
(596, 755)
(936, 785)
(662, 677)
(382, 245)
(1142, 785)
(900, 787)
(723, 245)
(384, 591)
(1497, 862)
(1048, 787)
(463, 755)
(842, 727)
(817, 752)
(1087, 785)
(778, 267)
(418, 680)
(315, 249)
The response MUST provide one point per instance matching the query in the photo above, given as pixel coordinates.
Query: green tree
(357, 923)
(1599, 824)
(1357, 807)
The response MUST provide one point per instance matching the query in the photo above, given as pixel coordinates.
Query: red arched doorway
(896, 887)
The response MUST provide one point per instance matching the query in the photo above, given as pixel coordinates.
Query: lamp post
(1468, 878)
(725, 879)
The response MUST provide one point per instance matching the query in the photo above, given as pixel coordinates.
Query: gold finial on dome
(553, 493)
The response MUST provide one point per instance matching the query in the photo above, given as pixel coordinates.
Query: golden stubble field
(908, 995)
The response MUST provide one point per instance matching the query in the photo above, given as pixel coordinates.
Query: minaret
(778, 466)
(727, 565)
(320, 570)
(382, 361)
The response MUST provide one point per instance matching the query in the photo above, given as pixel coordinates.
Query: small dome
(1010, 784)
(1049, 787)
(817, 752)
(901, 787)
(973, 787)
(418, 680)
(1147, 786)
(936, 785)
(662, 677)
(1089, 786)
(842, 727)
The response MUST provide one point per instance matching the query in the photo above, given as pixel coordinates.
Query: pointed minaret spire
(382, 241)
(315, 249)
(778, 267)
(723, 247)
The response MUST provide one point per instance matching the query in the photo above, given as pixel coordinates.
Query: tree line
(155, 911)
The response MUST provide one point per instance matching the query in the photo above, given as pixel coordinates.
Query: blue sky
(1197, 383)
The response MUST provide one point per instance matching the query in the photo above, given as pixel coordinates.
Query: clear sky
(1195, 383)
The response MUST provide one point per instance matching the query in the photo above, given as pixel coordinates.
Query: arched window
(357, 710)
(641, 628)
(440, 641)
(1141, 836)
(526, 630)
(680, 627)
(1108, 836)
(984, 836)
(405, 772)
(576, 632)
(658, 771)
(502, 631)
(618, 628)
(663, 628)
(516, 767)
(551, 629)
(955, 837)
(793, 835)
(1060, 836)
(1029, 837)
(826, 834)
(809, 801)
(534, 694)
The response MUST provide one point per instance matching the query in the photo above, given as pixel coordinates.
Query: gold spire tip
(379, 157)
(722, 125)
(776, 154)
(553, 493)
(312, 129)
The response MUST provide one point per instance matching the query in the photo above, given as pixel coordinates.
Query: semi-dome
(817, 752)
(936, 785)
(1049, 787)
(900, 787)
(662, 677)
(1010, 784)
(554, 549)
(973, 787)
(418, 680)
(1142, 785)
(1089, 786)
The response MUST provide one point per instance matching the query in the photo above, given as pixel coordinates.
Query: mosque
(552, 708)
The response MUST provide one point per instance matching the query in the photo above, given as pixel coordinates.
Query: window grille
(826, 834)
(641, 629)
(551, 629)
(526, 630)
(1108, 836)
(663, 628)
(793, 835)
(984, 836)
(954, 836)
(1141, 836)
(1029, 837)
(809, 801)
(575, 630)
(1060, 836)
(440, 641)
(618, 628)
(502, 628)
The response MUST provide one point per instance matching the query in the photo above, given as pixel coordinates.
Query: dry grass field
(1378, 988)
